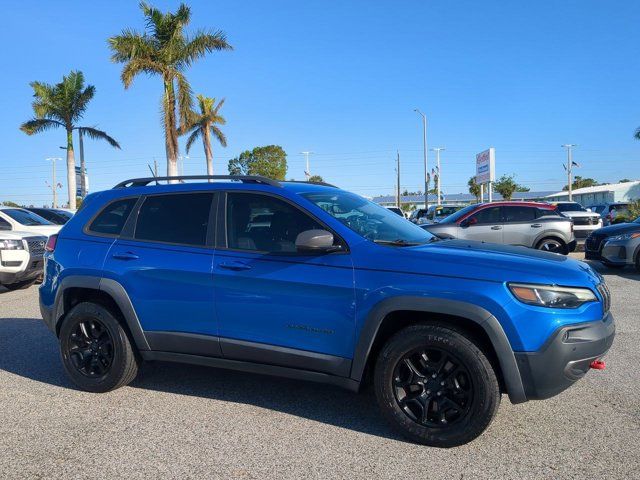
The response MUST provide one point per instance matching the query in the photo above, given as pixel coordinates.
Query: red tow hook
(598, 365)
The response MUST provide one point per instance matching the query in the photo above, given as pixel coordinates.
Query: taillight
(51, 243)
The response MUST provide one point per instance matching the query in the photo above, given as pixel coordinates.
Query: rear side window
(177, 218)
(111, 220)
(519, 214)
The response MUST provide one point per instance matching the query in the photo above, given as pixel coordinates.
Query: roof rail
(141, 182)
(324, 184)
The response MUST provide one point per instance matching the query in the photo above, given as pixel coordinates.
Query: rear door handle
(496, 227)
(125, 256)
(237, 266)
(536, 225)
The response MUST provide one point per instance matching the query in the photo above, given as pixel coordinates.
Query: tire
(474, 388)
(96, 351)
(19, 285)
(552, 245)
(638, 261)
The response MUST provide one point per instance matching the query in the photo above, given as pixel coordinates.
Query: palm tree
(204, 124)
(63, 105)
(165, 50)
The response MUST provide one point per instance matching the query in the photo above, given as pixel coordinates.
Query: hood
(617, 229)
(580, 214)
(13, 235)
(45, 230)
(493, 262)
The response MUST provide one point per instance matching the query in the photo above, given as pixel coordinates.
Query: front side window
(369, 219)
(181, 218)
(25, 217)
(488, 215)
(111, 220)
(264, 223)
(519, 214)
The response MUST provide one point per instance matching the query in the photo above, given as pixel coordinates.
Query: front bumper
(619, 252)
(16, 266)
(565, 358)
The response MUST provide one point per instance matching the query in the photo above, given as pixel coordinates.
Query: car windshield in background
(25, 217)
(454, 217)
(570, 207)
(370, 220)
(442, 212)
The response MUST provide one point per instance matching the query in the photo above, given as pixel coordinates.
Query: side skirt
(251, 367)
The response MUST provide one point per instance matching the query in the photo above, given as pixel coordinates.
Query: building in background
(417, 201)
(610, 193)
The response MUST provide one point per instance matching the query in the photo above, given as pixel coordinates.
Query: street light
(568, 167)
(54, 185)
(181, 159)
(424, 147)
(438, 150)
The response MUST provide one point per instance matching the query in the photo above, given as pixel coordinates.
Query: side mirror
(468, 222)
(316, 241)
(588, 209)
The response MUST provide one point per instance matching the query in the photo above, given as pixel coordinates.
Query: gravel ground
(182, 421)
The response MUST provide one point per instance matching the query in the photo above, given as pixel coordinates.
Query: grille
(582, 221)
(593, 242)
(606, 297)
(36, 246)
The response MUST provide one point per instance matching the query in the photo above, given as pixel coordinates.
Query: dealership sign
(486, 166)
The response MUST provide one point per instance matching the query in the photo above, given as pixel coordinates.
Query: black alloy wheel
(433, 387)
(90, 348)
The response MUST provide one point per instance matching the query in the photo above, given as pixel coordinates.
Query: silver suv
(584, 220)
(531, 224)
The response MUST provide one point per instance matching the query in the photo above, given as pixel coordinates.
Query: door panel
(266, 292)
(521, 226)
(488, 226)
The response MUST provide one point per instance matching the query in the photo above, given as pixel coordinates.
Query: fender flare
(112, 288)
(550, 234)
(474, 313)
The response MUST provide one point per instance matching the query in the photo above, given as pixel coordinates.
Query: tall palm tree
(205, 123)
(164, 49)
(63, 105)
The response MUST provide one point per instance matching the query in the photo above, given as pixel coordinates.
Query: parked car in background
(436, 213)
(22, 220)
(585, 221)
(331, 288)
(20, 258)
(396, 210)
(54, 215)
(418, 216)
(530, 224)
(612, 212)
(615, 245)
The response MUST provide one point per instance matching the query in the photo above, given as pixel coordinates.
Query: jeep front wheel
(436, 386)
(95, 349)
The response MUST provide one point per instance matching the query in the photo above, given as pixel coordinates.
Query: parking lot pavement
(185, 421)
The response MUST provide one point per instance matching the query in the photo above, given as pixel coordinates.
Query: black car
(594, 243)
(54, 215)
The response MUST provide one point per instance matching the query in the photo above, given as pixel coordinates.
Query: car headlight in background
(11, 244)
(626, 236)
(551, 296)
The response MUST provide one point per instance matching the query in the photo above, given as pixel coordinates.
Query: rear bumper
(565, 357)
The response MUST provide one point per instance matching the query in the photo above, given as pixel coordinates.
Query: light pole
(424, 148)
(181, 159)
(54, 186)
(307, 171)
(438, 150)
(570, 163)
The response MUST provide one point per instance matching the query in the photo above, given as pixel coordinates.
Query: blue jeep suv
(311, 282)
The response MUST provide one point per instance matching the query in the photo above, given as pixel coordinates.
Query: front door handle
(536, 225)
(125, 256)
(237, 266)
(496, 227)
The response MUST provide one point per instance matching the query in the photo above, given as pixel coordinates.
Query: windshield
(442, 212)
(459, 214)
(25, 217)
(369, 219)
(570, 207)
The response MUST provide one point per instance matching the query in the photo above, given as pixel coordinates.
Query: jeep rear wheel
(95, 349)
(436, 386)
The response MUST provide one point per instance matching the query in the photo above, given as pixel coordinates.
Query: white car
(21, 259)
(20, 220)
(584, 220)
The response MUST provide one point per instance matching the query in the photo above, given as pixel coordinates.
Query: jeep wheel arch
(478, 315)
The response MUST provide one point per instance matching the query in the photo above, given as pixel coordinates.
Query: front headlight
(11, 245)
(551, 296)
(626, 236)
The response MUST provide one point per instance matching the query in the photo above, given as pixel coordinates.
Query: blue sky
(342, 79)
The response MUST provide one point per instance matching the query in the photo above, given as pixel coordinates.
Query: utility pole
(398, 202)
(424, 151)
(438, 191)
(307, 171)
(53, 186)
(83, 169)
(155, 167)
(570, 163)
(181, 159)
